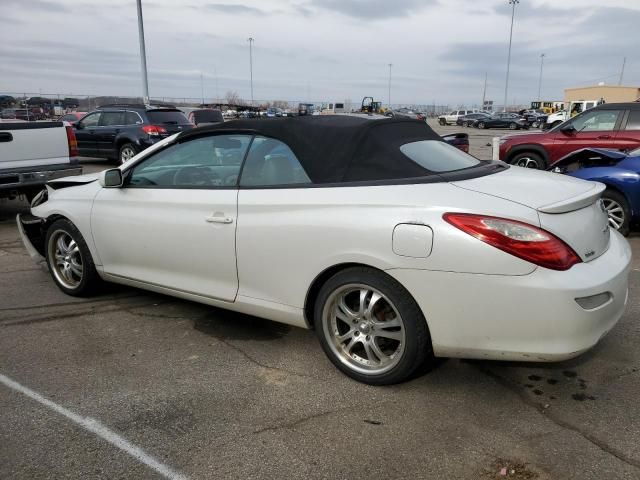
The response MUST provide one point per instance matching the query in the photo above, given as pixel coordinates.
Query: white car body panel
(167, 237)
(478, 301)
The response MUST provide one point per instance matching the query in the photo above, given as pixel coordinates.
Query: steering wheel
(195, 176)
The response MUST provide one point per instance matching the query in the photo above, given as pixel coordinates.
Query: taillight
(72, 141)
(154, 130)
(517, 238)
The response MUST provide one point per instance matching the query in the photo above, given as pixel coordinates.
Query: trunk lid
(568, 207)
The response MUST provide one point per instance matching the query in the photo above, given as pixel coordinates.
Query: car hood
(543, 191)
(64, 182)
(523, 137)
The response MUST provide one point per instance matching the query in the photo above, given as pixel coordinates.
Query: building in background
(610, 94)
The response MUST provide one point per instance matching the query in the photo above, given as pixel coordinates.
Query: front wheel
(481, 125)
(618, 211)
(513, 126)
(69, 259)
(529, 160)
(370, 327)
(442, 121)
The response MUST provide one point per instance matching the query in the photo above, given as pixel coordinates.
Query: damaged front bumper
(32, 233)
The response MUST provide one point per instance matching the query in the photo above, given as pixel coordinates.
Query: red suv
(614, 126)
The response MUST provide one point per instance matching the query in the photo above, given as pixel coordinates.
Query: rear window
(205, 116)
(170, 117)
(438, 156)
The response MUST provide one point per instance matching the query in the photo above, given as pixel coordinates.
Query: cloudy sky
(318, 50)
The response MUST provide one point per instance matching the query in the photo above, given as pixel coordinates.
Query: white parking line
(93, 426)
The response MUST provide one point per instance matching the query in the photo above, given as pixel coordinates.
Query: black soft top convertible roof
(340, 148)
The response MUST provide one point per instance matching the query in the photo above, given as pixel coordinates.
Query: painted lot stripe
(93, 426)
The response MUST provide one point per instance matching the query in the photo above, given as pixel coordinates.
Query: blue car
(619, 171)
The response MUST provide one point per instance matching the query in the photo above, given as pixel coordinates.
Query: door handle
(219, 219)
(604, 137)
(6, 137)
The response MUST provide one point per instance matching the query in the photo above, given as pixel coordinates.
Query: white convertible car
(394, 246)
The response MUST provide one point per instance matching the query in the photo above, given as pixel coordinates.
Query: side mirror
(568, 129)
(78, 125)
(111, 178)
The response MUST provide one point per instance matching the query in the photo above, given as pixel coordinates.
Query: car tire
(442, 121)
(465, 124)
(618, 211)
(126, 152)
(481, 125)
(513, 126)
(358, 343)
(529, 160)
(69, 260)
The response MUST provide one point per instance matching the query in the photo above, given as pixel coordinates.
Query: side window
(597, 121)
(205, 162)
(132, 118)
(91, 120)
(461, 112)
(112, 119)
(634, 120)
(271, 162)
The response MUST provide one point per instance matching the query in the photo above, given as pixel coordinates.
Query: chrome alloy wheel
(127, 153)
(615, 212)
(65, 259)
(363, 329)
(527, 162)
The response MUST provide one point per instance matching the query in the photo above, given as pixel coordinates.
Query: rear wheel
(465, 124)
(127, 152)
(481, 125)
(618, 210)
(69, 259)
(513, 126)
(370, 327)
(529, 160)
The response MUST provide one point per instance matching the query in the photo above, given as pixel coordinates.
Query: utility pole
(389, 97)
(251, 40)
(143, 56)
(513, 4)
(624, 62)
(540, 81)
(484, 91)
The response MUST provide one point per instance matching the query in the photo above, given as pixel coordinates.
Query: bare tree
(280, 104)
(232, 98)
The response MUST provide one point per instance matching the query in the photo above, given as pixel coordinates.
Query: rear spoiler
(575, 203)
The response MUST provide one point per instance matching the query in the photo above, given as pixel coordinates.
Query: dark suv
(118, 132)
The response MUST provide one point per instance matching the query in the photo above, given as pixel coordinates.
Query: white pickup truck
(31, 153)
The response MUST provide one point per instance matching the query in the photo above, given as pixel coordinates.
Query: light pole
(540, 81)
(513, 4)
(143, 56)
(251, 40)
(201, 88)
(389, 97)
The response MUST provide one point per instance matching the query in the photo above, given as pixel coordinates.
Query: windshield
(171, 117)
(438, 156)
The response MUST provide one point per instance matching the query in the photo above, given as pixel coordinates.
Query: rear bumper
(532, 317)
(18, 178)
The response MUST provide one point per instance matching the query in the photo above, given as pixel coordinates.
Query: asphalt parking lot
(206, 393)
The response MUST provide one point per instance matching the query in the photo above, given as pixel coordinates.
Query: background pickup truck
(31, 153)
